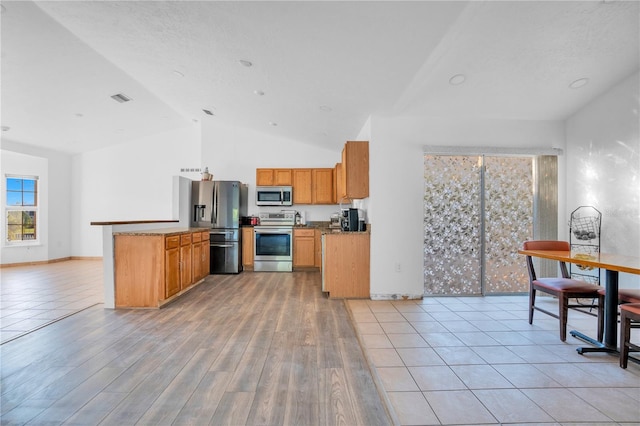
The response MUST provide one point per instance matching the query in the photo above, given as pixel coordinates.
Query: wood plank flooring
(255, 348)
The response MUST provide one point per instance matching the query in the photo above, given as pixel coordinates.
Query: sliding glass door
(477, 211)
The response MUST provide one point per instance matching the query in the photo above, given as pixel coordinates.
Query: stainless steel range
(273, 242)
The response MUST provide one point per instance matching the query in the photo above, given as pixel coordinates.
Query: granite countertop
(163, 232)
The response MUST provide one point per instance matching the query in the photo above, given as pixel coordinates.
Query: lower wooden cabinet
(346, 265)
(247, 248)
(304, 254)
(151, 267)
(186, 261)
(201, 253)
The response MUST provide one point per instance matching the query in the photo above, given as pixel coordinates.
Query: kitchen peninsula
(170, 231)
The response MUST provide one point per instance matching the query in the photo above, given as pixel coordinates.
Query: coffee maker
(349, 221)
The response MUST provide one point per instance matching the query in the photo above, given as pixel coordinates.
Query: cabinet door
(302, 186)
(264, 177)
(304, 247)
(247, 247)
(282, 177)
(323, 192)
(186, 266)
(318, 248)
(355, 161)
(341, 191)
(172, 271)
(197, 261)
(206, 254)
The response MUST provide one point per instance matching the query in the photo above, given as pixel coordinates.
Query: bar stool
(629, 312)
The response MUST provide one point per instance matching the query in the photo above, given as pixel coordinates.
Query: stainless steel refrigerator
(219, 205)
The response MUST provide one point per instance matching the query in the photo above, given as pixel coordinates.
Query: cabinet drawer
(304, 232)
(205, 235)
(197, 237)
(185, 239)
(172, 241)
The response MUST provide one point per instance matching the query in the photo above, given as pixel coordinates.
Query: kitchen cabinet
(304, 254)
(302, 185)
(313, 186)
(172, 274)
(247, 248)
(153, 267)
(273, 177)
(200, 255)
(322, 186)
(186, 261)
(318, 248)
(353, 173)
(345, 271)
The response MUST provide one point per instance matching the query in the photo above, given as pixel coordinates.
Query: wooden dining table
(613, 264)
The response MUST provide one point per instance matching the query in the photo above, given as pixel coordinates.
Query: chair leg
(532, 301)
(563, 311)
(625, 337)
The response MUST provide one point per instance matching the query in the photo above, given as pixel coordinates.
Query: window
(22, 209)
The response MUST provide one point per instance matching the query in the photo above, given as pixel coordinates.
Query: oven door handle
(220, 245)
(274, 232)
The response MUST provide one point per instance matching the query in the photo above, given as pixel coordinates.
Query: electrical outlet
(398, 267)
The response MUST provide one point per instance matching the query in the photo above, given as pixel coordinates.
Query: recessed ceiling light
(178, 73)
(208, 112)
(581, 82)
(258, 92)
(6, 128)
(274, 124)
(245, 62)
(325, 108)
(120, 97)
(457, 79)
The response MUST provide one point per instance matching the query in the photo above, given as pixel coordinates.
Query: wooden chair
(629, 314)
(564, 288)
(625, 295)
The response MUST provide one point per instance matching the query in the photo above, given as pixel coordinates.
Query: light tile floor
(36, 295)
(477, 360)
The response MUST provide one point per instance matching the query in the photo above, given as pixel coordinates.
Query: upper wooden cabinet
(313, 186)
(274, 177)
(353, 171)
(322, 186)
(302, 193)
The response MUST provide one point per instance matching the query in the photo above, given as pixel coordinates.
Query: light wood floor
(256, 348)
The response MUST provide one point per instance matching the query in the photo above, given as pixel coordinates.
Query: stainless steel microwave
(274, 196)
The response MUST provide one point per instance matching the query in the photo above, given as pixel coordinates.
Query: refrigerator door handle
(214, 208)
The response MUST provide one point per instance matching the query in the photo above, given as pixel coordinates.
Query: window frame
(22, 208)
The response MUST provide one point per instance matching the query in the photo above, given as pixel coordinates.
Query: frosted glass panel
(477, 212)
(508, 212)
(452, 225)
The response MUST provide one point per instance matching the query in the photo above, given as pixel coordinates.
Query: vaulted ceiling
(318, 69)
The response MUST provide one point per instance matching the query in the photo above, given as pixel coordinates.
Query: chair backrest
(546, 245)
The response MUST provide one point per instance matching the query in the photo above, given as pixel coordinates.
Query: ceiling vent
(120, 97)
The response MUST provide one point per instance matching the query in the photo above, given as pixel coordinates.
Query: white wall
(396, 185)
(54, 171)
(603, 167)
(233, 153)
(132, 181)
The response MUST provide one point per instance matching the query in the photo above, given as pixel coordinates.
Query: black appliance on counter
(218, 205)
(350, 222)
